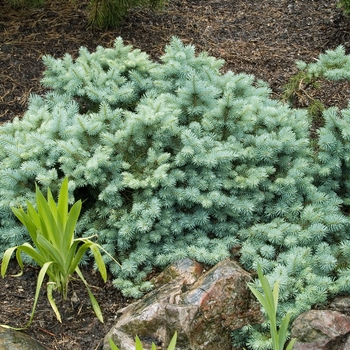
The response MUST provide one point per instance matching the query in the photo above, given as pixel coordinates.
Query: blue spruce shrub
(326, 264)
(176, 159)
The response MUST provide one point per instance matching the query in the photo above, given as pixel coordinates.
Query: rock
(321, 330)
(15, 340)
(341, 304)
(204, 307)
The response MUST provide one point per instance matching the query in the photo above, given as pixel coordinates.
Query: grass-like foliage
(51, 228)
(176, 159)
(110, 13)
(345, 6)
(269, 301)
(138, 344)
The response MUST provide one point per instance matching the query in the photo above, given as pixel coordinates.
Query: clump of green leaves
(51, 228)
(345, 6)
(110, 13)
(269, 301)
(295, 91)
(298, 92)
(138, 344)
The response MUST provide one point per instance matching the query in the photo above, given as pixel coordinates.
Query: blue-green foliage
(176, 159)
(315, 270)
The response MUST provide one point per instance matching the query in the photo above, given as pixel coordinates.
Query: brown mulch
(80, 328)
(263, 38)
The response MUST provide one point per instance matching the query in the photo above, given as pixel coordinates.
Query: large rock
(204, 307)
(14, 340)
(321, 330)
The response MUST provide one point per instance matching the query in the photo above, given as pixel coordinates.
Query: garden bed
(264, 39)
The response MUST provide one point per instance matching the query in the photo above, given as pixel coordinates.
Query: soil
(263, 38)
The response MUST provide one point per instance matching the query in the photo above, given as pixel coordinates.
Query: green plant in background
(110, 13)
(138, 344)
(295, 90)
(298, 93)
(55, 250)
(101, 13)
(345, 6)
(269, 301)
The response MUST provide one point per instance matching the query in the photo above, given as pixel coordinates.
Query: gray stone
(341, 304)
(321, 330)
(204, 307)
(15, 340)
